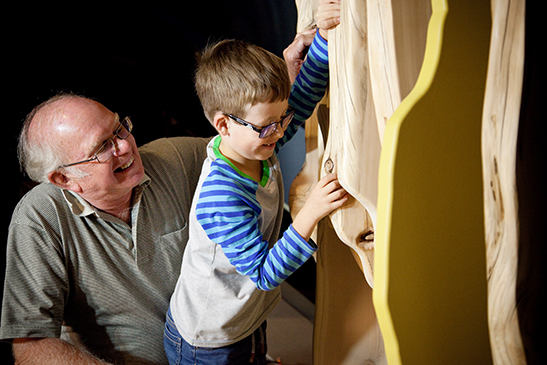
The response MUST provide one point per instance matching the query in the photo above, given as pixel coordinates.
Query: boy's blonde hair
(232, 76)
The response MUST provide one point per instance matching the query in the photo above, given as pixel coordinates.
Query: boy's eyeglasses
(106, 151)
(268, 130)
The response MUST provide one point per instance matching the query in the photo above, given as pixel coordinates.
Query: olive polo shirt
(81, 274)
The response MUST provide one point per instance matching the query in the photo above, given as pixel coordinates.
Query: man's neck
(119, 208)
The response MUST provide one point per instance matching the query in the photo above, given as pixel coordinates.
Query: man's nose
(121, 146)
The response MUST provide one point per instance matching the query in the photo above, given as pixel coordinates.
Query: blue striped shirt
(234, 225)
(228, 209)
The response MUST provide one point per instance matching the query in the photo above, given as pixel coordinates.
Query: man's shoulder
(185, 146)
(174, 165)
(41, 193)
(43, 200)
(170, 154)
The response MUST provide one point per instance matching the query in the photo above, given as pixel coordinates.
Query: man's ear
(221, 124)
(60, 180)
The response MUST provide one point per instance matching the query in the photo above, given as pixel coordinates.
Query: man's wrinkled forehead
(69, 109)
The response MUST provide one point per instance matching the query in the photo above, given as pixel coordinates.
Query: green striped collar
(265, 168)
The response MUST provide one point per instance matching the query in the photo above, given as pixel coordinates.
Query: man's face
(82, 131)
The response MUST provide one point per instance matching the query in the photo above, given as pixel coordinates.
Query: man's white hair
(40, 157)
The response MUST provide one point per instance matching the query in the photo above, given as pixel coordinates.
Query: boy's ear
(221, 124)
(60, 180)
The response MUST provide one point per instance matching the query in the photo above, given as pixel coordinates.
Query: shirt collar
(80, 207)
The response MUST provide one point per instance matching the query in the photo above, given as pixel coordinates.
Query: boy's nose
(279, 131)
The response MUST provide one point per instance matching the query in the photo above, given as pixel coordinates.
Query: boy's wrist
(324, 34)
(306, 243)
(304, 224)
(319, 51)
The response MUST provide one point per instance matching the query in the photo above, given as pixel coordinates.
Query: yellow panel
(430, 281)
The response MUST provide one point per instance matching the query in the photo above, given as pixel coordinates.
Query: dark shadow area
(532, 194)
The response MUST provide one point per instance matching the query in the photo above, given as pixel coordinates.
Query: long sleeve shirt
(234, 224)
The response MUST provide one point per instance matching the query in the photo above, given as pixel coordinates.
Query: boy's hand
(295, 53)
(328, 16)
(325, 197)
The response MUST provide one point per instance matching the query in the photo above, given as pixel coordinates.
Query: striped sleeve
(228, 211)
(309, 87)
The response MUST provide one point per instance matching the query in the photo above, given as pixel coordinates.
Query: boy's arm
(311, 83)
(309, 86)
(228, 212)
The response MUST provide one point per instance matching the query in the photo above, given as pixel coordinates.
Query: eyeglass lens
(107, 149)
(270, 129)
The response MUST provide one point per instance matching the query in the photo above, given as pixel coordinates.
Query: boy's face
(242, 144)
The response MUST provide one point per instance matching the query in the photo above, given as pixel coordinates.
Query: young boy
(231, 267)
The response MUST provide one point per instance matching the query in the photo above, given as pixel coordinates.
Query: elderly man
(93, 263)
(94, 251)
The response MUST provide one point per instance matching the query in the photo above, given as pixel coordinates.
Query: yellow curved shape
(430, 276)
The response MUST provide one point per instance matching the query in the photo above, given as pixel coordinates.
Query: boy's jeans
(250, 350)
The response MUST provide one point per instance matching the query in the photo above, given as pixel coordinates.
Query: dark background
(136, 58)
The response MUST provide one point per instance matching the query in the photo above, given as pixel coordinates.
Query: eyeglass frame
(287, 118)
(110, 141)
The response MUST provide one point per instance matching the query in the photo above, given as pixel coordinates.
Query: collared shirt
(81, 274)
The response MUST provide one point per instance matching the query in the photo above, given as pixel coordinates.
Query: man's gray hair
(39, 158)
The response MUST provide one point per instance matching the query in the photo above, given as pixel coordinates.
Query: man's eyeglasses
(268, 130)
(106, 151)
